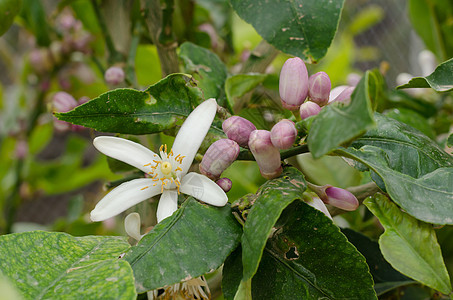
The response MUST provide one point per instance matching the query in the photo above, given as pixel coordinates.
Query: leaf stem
(245, 154)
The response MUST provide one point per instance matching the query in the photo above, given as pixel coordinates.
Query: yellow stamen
(170, 154)
(149, 164)
(157, 162)
(161, 147)
(165, 148)
(178, 169)
(144, 188)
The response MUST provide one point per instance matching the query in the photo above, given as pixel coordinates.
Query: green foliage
(300, 28)
(46, 265)
(409, 245)
(192, 242)
(440, 80)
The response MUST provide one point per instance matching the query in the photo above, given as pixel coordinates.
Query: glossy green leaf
(237, 86)
(8, 10)
(384, 275)
(408, 150)
(400, 99)
(409, 245)
(309, 258)
(427, 198)
(272, 198)
(47, 265)
(412, 119)
(232, 274)
(301, 28)
(195, 240)
(440, 80)
(335, 125)
(138, 112)
(206, 67)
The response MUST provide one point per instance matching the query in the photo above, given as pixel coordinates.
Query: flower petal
(127, 151)
(132, 226)
(168, 204)
(193, 132)
(124, 196)
(203, 188)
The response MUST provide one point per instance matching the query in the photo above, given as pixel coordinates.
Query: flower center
(166, 167)
(167, 173)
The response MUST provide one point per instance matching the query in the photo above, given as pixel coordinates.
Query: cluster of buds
(307, 94)
(64, 102)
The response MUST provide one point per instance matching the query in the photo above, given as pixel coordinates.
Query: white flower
(168, 172)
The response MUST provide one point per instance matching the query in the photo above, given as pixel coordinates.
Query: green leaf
(272, 198)
(195, 240)
(237, 86)
(384, 275)
(136, 112)
(207, 69)
(335, 126)
(301, 28)
(408, 150)
(8, 10)
(412, 119)
(409, 245)
(48, 265)
(309, 258)
(232, 274)
(440, 80)
(427, 198)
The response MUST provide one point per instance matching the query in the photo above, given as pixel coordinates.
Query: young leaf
(136, 112)
(427, 198)
(47, 265)
(300, 28)
(409, 245)
(309, 258)
(272, 198)
(8, 10)
(440, 80)
(334, 126)
(195, 240)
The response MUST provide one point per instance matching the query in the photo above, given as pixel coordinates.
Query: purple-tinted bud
(219, 156)
(341, 198)
(63, 102)
(238, 129)
(83, 100)
(309, 109)
(345, 96)
(283, 134)
(293, 85)
(319, 88)
(114, 76)
(266, 155)
(40, 60)
(225, 184)
(336, 91)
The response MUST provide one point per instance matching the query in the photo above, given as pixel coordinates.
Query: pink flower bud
(40, 60)
(83, 100)
(341, 198)
(219, 156)
(344, 96)
(238, 129)
(293, 85)
(225, 184)
(309, 109)
(63, 102)
(21, 150)
(283, 134)
(319, 88)
(114, 76)
(266, 155)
